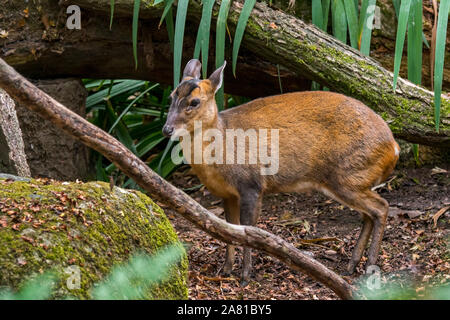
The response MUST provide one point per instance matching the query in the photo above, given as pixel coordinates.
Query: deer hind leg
(250, 205)
(361, 244)
(379, 208)
(231, 208)
(374, 210)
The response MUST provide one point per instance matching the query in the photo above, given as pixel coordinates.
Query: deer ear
(216, 78)
(192, 69)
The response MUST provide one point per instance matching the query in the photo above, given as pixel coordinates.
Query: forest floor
(414, 249)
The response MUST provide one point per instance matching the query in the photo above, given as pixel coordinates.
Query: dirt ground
(413, 248)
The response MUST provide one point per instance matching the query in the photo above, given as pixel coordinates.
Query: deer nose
(167, 130)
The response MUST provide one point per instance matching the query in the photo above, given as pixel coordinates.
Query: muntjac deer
(328, 143)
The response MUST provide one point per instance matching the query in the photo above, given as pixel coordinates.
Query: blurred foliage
(131, 280)
(402, 289)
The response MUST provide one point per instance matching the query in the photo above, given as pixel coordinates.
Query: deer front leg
(231, 207)
(250, 207)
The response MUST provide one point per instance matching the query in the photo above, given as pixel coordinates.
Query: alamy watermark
(373, 281)
(74, 18)
(73, 282)
(231, 146)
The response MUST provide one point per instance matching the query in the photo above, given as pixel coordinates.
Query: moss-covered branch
(271, 35)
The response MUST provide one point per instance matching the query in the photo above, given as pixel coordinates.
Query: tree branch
(26, 93)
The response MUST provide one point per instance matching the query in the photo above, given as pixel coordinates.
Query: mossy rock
(49, 225)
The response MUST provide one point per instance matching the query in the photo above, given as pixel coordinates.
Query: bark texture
(12, 154)
(25, 92)
(52, 154)
(271, 35)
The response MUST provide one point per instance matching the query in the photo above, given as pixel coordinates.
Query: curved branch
(26, 93)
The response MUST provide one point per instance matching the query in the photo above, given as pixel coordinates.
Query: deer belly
(215, 182)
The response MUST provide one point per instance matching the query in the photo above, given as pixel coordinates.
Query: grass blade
(441, 35)
(205, 35)
(221, 28)
(167, 8)
(148, 143)
(240, 28)
(401, 30)
(362, 14)
(366, 26)
(170, 27)
(180, 23)
(130, 105)
(397, 8)
(339, 20)
(137, 6)
(164, 157)
(317, 14)
(202, 41)
(326, 13)
(112, 14)
(415, 43)
(113, 91)
(415, 46)
(279, 79)
(352, 19)
(121, 130)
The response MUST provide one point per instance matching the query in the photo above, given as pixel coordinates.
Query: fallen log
(301, 50)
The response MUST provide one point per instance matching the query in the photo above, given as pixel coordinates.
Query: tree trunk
(271, 35)
(12, 154)
(51, 154)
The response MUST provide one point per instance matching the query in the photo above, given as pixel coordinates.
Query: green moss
(87, 225)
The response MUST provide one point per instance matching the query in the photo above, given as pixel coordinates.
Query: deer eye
(194, 103)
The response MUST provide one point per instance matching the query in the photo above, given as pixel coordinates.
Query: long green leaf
(148, 143)
(415, 42)
(170, 28)
(240, 28)
(130, 105)
(112, 14)
(317, 20)
(202, 41)
(164, 157)
(339, 20)
(317, 14)
(113, 91)
(415, 52)
(137, 6)
(397, 9)
(220, 45)
(366, 26)
(180, 23)
(326, 13)
(121, 130)
(352, 19)
(167, 8)
(401, 30)
(441, 35)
